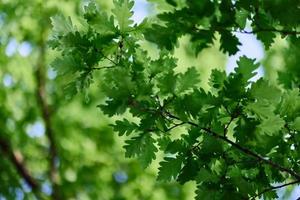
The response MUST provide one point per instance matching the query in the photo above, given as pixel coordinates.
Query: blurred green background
(89, 157)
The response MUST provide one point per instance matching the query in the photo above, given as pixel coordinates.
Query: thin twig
(241, 148)
(104, 56)
(109, 59)
(176, 125)
(99, 68)
(233, 116)
(274, 188)
(228, 124)
(285, 32)
(260, 30)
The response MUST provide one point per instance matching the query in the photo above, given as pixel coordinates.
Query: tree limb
(258, 30)
(105, 67)
(16, 159)
(241, 148)
(40, 76)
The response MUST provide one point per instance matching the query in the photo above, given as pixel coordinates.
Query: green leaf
(234, 172)
(143, 147)
(261, 108)
(172, 2)
(70, 90)
(263, 91)
(271, 125)
(267, 38)
(296, 124)
(202, 39)
(286, 79)
(169, 168)
(61, 25)
(162, 64)
(246, 67)
(167, 83)
(123, 13)
(113, 107)
(234, 87)
(203, 193)
(241, 17)
(229, 42)
(124, 127)
(290, 105)
(189, 170)
(162, 36)
(66, 65)
(206, 176)
(187, 80)
(81, 84)
(191, 104)
(217, 79)
(100, 21)
(176, 146)
(163, 142)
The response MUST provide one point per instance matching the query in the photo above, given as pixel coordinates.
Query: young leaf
(246, 67)
(296, 124)
(241, 17)
(169, 168)
(124, 127)
(167, 83)
(263, 91)
(267, 38)
(143, 147)
(229, 43)
(61, 25)
(187, 80)
(271, 125)
(217, 79)
(123, 14)
(100, 21)
(189, 170)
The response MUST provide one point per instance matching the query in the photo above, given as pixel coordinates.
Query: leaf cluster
(236, 139)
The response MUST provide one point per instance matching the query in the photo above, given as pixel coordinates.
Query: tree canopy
(96, 72)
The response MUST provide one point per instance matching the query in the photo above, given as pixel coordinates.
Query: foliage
(236, 138)
(81, 158)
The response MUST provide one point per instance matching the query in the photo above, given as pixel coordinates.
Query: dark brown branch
(99, 68)
(40, 76)
(107, 58)
(17, 160)
(174, 126)
(274, 188)
(227, 125)
(259, 30)
(241, 148)
(253, 154)
(233, 116)
(104, 56)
